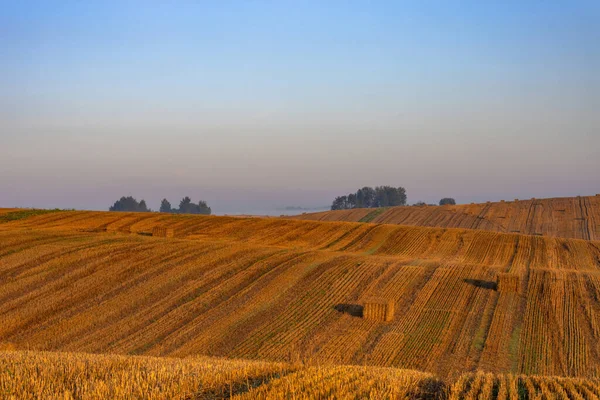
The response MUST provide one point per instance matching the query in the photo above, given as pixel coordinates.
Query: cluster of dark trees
(381, 196)
(185, 206)
(367, 197)
(129, 204)
(446, 201)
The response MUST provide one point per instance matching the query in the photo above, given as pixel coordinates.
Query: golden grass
(347, 382)
(7, 346)
(482, 385)
(36, 375)
(46, 375)
(277, 289)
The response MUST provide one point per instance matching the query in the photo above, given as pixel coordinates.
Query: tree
(165, 206)
(447, 201)
(420, 203)
(367, 197)
(382, 196)
(187, 207)
(129, 204)
(340, 203)
(203, 208)
(387, 196)
(397, 196)
(351, 200)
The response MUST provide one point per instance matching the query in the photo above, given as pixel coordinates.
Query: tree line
(368, 197)
(380, 196)
(446, 201)
(186, 206)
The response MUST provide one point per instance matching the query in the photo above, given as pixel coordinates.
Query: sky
(255, 105)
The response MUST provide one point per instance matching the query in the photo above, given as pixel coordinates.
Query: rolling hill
(569, 217)
(289, 290)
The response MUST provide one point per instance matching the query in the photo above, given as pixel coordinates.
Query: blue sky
(253, 105)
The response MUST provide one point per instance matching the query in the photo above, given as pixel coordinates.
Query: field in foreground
(285, 290)
(34, 375)
(568, 217)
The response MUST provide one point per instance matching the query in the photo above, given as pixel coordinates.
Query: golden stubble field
(285, 290)
(568, 217)
(44, 375)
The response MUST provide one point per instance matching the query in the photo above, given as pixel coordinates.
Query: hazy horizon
(255, 105)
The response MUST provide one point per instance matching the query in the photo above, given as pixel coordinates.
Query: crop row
(464, 246)
(570, 217)
(272, 289)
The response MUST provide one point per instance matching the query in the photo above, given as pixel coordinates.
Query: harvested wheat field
(569, 217)
(43, 375)
(294, 291)
(34, 375)
(37, 375)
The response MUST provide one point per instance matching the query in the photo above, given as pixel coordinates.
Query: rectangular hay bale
(379, 310)
(507, 282)
(161, 231)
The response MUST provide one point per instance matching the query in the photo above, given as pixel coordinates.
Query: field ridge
(567, 217)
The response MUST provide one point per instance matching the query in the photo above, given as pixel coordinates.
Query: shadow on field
(430, 389)
(354, 310)
(231, 389)
(481, 283)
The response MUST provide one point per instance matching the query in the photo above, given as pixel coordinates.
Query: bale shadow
(354, 310)
(481, 283)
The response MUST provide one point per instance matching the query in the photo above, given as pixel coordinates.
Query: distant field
(7, 210)
(569, 217)
(287, 290)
